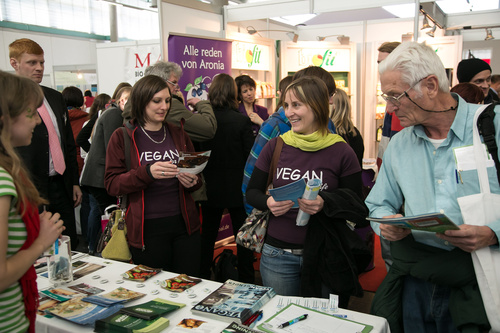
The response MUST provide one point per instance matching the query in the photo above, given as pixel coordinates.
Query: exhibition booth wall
(126, 61)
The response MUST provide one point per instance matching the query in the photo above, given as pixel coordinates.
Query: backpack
(224, 266)
(486, 128)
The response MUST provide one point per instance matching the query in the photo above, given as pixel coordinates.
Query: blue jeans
(94, 223)
(425, 307)
(280, 270)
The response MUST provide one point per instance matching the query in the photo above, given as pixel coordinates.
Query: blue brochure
(291, 191)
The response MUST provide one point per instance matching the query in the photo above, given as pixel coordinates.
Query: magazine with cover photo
(435, 222)
(234, 301)
(78, 311)
(179, 283)
(117, 296)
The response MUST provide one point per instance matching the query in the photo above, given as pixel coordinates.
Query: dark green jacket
(452, 268)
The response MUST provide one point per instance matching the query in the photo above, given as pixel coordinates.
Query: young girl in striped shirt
(24, 233)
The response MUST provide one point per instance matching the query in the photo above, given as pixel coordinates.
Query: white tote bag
(481, 209)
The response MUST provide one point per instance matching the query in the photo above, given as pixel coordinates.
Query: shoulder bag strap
(274, 161)
(126, 145)
(486, 128)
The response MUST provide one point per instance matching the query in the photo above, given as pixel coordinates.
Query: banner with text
(200, 59)
(137, 58)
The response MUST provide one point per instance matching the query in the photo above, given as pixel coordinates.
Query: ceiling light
(293, 36)
(401, 11)
(425, 23)
(294, 20)
(431, 32)
(344, 40)
(489, 35)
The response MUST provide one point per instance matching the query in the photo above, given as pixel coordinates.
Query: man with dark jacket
(478, 72)
(51, 156)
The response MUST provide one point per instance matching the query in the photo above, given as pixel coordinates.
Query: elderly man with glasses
(431, 286)
(200, 125)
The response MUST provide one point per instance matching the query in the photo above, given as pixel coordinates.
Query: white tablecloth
(112, 272)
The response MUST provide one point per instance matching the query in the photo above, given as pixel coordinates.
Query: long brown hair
(17, 94)
(341, 113)
(99, 104)
(223, 92)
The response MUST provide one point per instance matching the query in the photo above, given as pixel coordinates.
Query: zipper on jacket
(142, 193)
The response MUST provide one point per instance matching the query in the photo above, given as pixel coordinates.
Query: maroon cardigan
(118, 181)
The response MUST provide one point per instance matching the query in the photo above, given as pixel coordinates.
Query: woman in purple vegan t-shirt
(163, 225)
(246, 96)
(309, 151)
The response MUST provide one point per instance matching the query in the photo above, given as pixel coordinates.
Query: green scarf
(311, 142)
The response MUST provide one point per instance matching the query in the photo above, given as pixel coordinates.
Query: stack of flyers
(179, 283)
(140, 273)
(152, 309)
(83, 313)
(117, 296)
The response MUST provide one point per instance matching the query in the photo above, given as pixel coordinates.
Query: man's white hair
(164, 69)
(415, 61)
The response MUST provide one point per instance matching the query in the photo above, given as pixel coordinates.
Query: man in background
(391, 121)
(495, 84)
(389, 129)
(51, 156)
(200, 125)
(478, 72)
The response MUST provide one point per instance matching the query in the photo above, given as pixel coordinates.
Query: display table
(112, 271)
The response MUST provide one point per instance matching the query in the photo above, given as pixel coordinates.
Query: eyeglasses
(176, 85)
(395, 100)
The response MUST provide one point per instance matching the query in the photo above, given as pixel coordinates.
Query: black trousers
(169, 246)
(210, 228)
(102, 197)
(60, 202)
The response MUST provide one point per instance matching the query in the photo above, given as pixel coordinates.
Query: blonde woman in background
(341, 117)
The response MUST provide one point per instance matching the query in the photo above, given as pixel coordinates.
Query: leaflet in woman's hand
(292, 191)
(435, 222)
(193, 162)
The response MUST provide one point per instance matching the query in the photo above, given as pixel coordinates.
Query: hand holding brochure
(310, 193)
(434, 222)
(291, 191)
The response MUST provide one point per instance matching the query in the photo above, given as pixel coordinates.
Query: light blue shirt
(424, 178)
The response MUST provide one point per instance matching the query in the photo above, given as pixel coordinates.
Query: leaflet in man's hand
(292, 191)
(435, 222)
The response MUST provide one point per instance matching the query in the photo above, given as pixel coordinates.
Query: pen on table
(252, 324)
(252, 318)
(293, 321)
(339, 315)
(56, 243)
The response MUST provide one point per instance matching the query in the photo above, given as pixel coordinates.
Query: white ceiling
(355, 10)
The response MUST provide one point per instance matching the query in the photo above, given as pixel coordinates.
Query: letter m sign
(139, 63)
